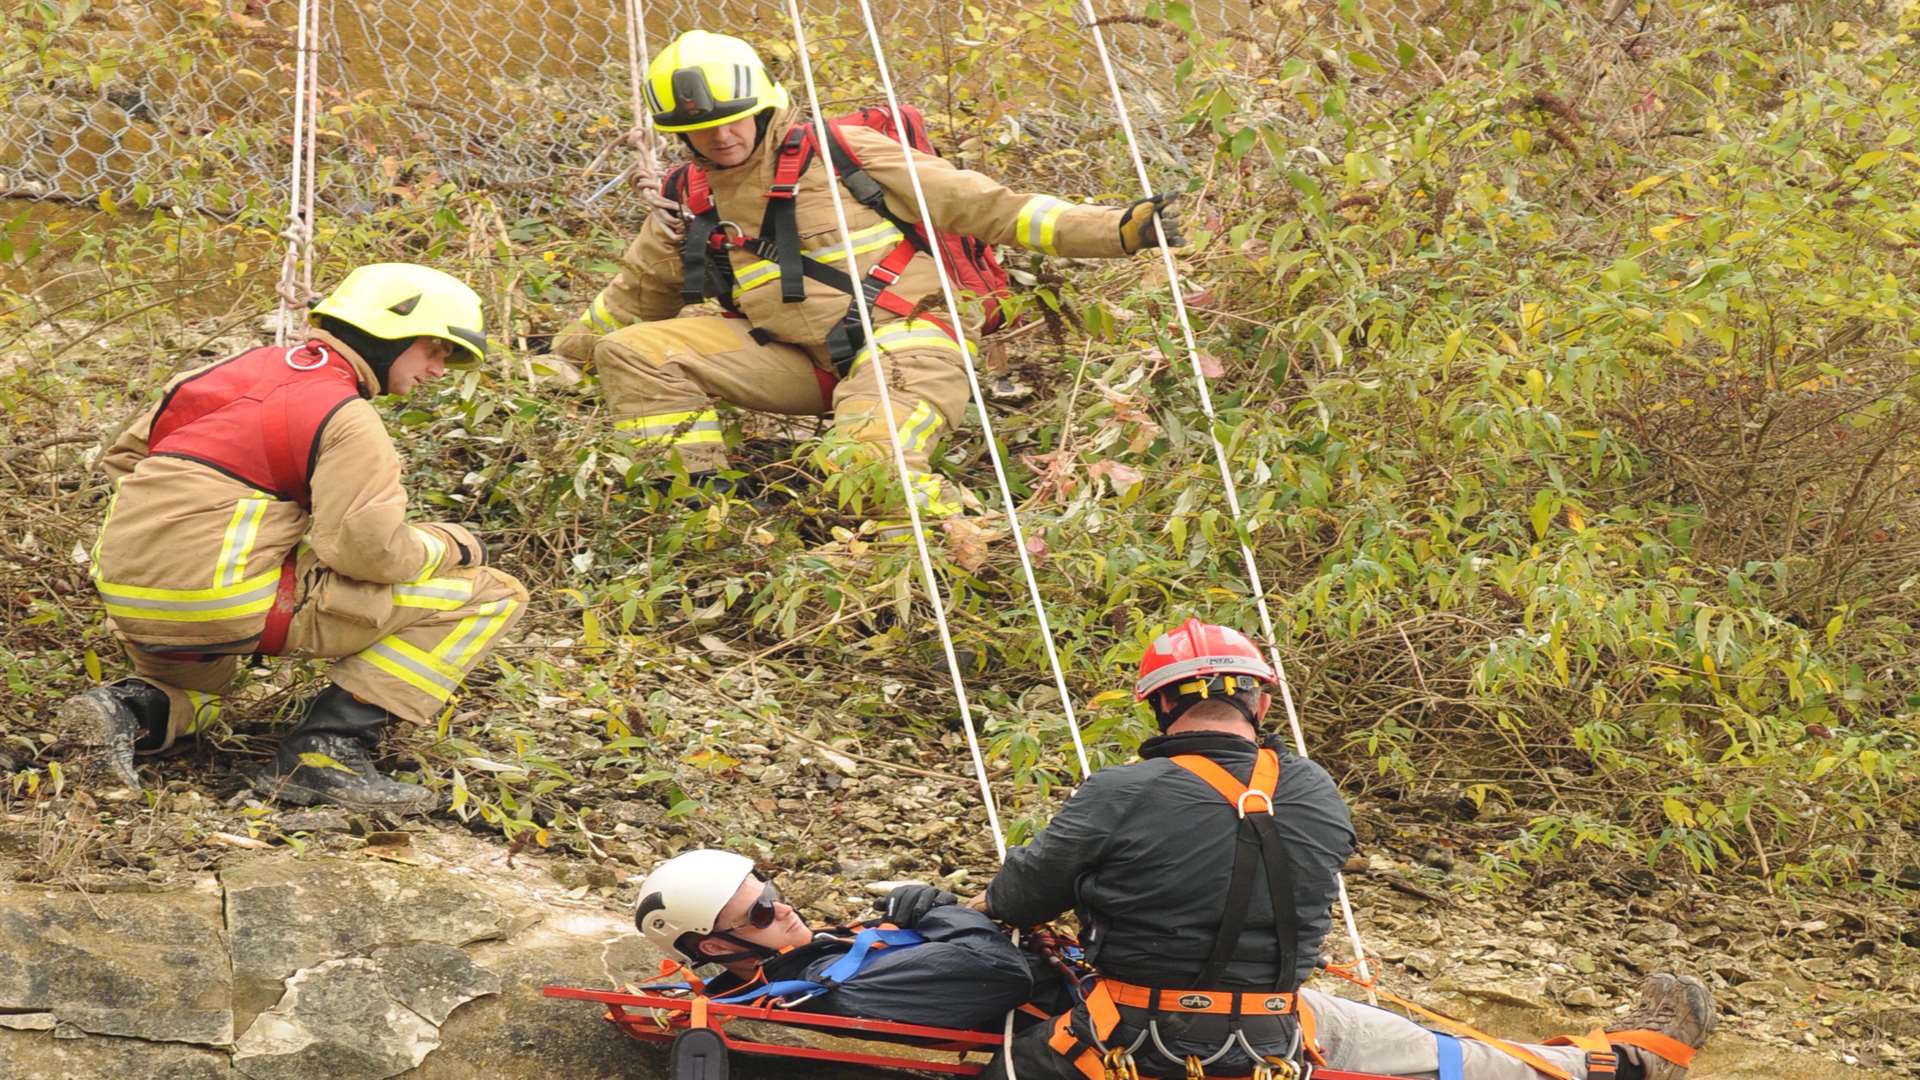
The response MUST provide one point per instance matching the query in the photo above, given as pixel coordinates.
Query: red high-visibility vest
(258, 416)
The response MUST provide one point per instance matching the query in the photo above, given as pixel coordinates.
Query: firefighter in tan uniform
(257, 509)
(795, 344)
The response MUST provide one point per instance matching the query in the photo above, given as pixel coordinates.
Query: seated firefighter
(933, 961)
(1203, 876)
(795, 344)
(257, 509)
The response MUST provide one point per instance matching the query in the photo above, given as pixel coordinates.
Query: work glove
(463, 548)
(907, 905)
(1136, 225)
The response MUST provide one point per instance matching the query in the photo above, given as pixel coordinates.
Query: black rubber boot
(347, 730)
(113, 721)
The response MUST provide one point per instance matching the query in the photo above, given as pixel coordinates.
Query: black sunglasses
(761, 914)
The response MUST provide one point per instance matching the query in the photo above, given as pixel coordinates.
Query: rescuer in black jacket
(1203, 877)
(1146, 852)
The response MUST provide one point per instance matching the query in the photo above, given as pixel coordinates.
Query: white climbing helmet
(684, 895)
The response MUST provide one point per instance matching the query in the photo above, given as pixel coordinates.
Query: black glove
(907, 905)
(1136, 225)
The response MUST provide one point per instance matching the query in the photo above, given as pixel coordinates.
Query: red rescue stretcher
(672, 1018)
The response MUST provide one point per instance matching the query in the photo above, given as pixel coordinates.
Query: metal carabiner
(1276, 1068)
(1118, 1064)
(720, 230)
(322, 362)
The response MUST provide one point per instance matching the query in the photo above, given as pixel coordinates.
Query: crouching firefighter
(257, 509)
(932, 961)
(762, 239)
(1203, 877)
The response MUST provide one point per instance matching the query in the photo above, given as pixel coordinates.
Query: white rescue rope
(296, 269)
(934, 597)
(979, 399)
(1219, 450)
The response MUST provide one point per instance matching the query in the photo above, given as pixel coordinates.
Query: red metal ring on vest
(322, 362)
(1241, 803)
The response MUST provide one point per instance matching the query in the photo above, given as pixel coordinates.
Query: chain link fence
(188, 104)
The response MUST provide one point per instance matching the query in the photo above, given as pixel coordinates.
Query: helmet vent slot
(405, 307)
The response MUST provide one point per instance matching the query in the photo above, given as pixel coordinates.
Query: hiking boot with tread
(346, 730)
(109, 722)
(1677, 1006)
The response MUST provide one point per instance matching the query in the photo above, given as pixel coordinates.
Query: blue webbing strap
(839, 972)
(1452, 1062)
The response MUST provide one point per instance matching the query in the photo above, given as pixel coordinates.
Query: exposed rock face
(102, 963)
(288, 914)
(287, 969)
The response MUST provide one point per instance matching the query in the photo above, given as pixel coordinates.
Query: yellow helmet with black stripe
(705, 80)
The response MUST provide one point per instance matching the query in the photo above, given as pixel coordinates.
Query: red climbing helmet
(1197, 661)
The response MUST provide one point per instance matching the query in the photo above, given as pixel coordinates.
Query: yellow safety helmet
(403, 300)
(705, 80)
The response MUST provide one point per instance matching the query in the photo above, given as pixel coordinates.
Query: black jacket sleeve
(966, 975)
(1037, 881)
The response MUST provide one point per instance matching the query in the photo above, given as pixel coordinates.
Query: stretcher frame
(661, 1018)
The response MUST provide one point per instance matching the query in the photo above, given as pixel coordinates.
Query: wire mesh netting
(189, 104)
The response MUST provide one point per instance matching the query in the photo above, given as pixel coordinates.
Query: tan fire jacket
(961, 201)
(189, 556)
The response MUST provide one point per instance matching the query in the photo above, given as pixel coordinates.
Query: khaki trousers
(662, 378)
(405, 648)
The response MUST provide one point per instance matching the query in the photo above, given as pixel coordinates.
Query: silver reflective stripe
(493, 613)
(424, 590)
(395, 656)
(1211, 665)
(261, 592)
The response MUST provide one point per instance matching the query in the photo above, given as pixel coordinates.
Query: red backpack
(970, 263)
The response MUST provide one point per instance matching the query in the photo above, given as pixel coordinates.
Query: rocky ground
(296, 943)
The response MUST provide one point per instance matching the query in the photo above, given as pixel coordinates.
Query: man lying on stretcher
(711, 907)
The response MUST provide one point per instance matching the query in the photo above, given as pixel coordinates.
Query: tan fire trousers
(661, 380)
(405, 648)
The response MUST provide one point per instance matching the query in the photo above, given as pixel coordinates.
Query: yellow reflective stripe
(675, 429)
(753, 275)
(413, 666)
(927, 489)
(438, 594)
(436, 552)
(113, 501)
(920, 426)
(237, 545)
(1035, 224)
(912, 334)
(205, 707)
(467, 641)
(185, 613)
(869, 239)
(136, 593)
(600, 315)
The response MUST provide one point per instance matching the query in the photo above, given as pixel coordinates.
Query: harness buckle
(1241, 803)
(778, 190)
(884, 274)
